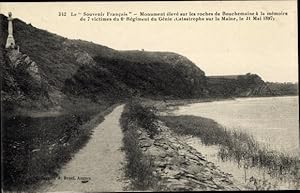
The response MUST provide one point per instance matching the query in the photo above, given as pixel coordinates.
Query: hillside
(238, 86)
(50, 70)
(282, 89)
(248, 85)
(76, 68)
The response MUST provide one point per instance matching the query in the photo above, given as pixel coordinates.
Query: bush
(139, 167)
(43, 144)
(144, 116)
(235, 145)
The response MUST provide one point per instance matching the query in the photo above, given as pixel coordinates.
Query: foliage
(154, 77)
(249, 80)
(144, 117)
(281, 89)
(115, 74)
(139, 167)
(248, 85)
(235, 86)
(235, 145)
(34, 148)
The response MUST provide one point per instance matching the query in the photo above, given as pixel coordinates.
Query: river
(273, 121)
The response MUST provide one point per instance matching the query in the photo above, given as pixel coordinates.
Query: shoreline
(162, 106)
(237, 147)
(191, 101)
(171, 104)
(171, 157)
(164, 162)
(188, 124)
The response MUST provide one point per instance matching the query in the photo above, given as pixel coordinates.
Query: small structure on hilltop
(10, 42)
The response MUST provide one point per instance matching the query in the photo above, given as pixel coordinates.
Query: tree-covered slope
(84, 69)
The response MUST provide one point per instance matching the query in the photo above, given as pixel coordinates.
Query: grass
(164, 105)
(139, 167)
(235, 145)
(35, 148)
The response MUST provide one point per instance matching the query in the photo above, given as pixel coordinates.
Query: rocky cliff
(22, 84)
(247, 85)
(76, 68)
(50, 69)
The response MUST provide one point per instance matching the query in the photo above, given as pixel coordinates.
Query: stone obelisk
(10, 42)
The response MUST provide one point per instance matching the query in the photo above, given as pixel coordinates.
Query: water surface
(273, 121)
(242, 175)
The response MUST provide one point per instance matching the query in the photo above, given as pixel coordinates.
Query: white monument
(10, 42)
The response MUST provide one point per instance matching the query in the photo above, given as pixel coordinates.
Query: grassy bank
(139, 167)
(35, 148)
(164, 105)
(236, 145)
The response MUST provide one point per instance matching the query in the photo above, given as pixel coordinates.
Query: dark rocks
(22, 61)
(145, 143)
(179, 166)
(84, 58)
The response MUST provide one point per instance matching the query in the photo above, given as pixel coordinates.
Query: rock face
(260, 90)
(84, 58)
(22, 61)
(247, 85)
(81, 56)
(22, 84)
(179, 166)
(82, 69)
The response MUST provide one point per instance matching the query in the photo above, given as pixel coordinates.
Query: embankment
(237, 146)
(158, 160)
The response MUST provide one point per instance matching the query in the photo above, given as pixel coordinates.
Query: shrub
(144, 116)
(43, 144)
(139, 167)
(235, 145)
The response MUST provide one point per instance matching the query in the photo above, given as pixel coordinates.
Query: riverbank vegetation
(284, 89)
(35, 148)
(237, 146)
(139, 167)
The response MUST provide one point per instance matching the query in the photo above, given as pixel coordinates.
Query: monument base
(10, 42)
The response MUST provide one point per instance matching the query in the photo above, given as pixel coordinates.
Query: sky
(268, 49)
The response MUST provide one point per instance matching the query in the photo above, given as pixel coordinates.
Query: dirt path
(98, 164)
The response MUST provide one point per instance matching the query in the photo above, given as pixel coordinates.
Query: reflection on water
(246, 178)
(273, 121)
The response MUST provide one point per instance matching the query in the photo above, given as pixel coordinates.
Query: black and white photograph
(106, 96)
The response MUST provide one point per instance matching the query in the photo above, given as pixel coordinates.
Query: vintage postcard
(149, 96)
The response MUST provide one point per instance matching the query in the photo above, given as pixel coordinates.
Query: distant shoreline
(182, 102)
